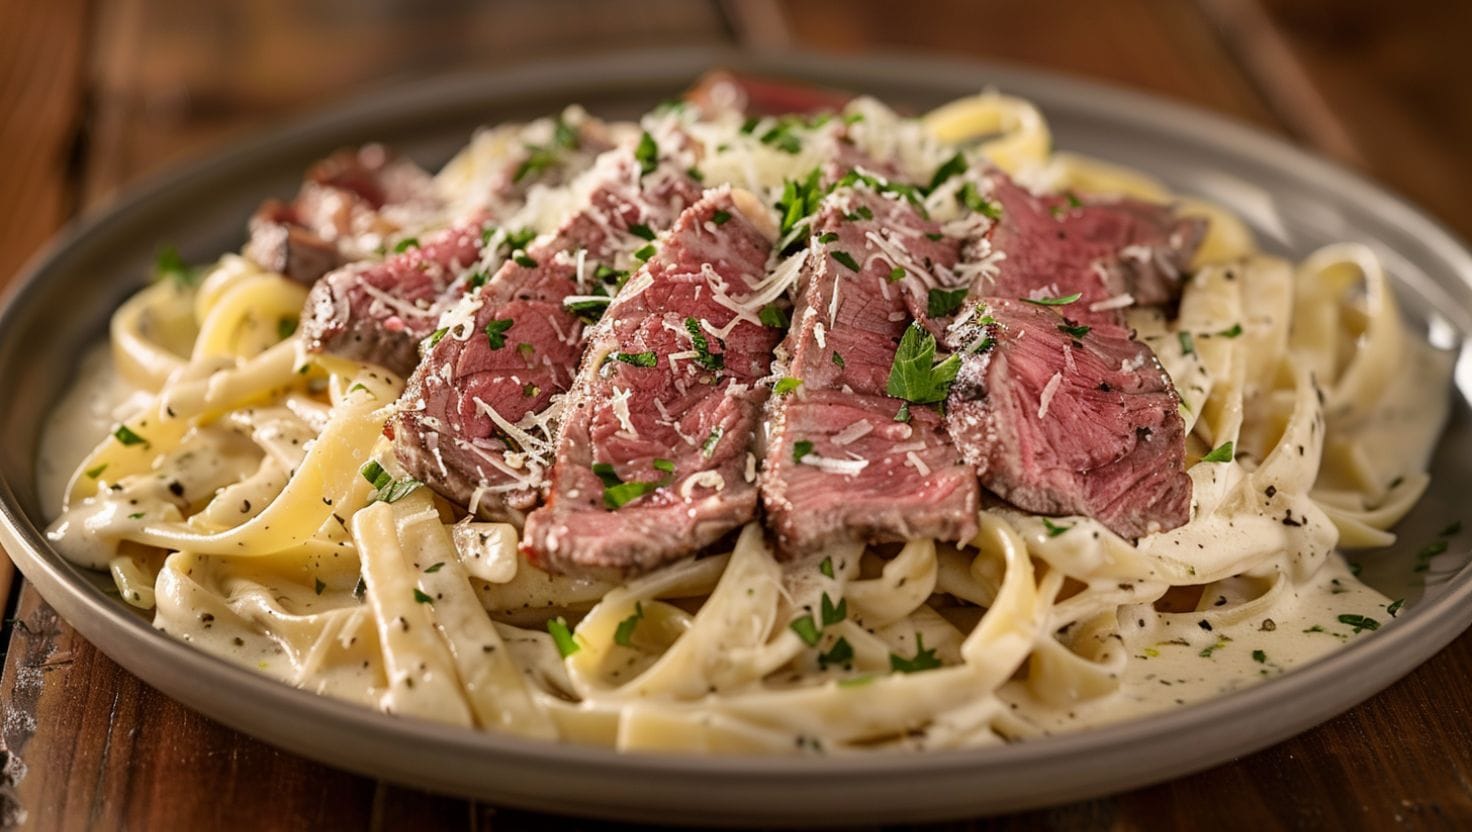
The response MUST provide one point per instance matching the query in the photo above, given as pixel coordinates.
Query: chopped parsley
(786, 385)
(126, 436)
(645, 252)
(846, 259)
(806, 630)
(798, 200)
(915, 376)
(286, 327)
(974, 201)
(826, 567)
(942, 302)
(168, 265)
(642, 231)
(665, 465)
(624, 633)
(1452, 530)
(537, 160)
(561, 635)
(386, 488)
(436, 336)
(524, 261)
(1429, 551)
(646, 153)
(1072, 329)
(530, 391)
(434, 568)
(954, 166)
(831, 236)
(1053, 528)
(405, 244)
(774, 316)
(841, 653)
(1221, 453)
(638, 359)
(617, 493)
(1359, 622)
(704, 357)
(422, 597)
(832, 614)
(800, 449)
(903, 414)
(1393, 608)
(1232, 332)
(564, 136)
(924, 659)
(1259, 656)
(708, 447)
(94, 473)
(1058, 301)
(897, 274)
(721, 217)
(139, 516)
(496, 331)
(1188, 343)
(587, 310)
(838, 359)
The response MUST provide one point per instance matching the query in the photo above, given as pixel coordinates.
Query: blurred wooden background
(95, 94)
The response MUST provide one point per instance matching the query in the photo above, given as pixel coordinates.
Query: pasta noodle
(228, 500)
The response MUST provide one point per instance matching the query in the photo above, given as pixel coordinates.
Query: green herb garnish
(496, 331)
(786, 385)
(915, 376)
(800, 449)
(924, 659)
(561, 635)
(1058, 301)
(704, 357)
(1221, 453)
(942, 302)
(806, 630)
(624, 633)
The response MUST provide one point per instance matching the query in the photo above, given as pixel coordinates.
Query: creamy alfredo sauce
(1170, 662)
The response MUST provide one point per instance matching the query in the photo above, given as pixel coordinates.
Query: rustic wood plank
(1393, 76)
(1163, 47)
(173, 77)
(41, 83)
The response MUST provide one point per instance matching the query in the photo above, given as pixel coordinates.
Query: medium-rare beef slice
(351, 203)
(1066, 418)
(653, 457)
(378, 312)
(845, 460)
(1114, 252)
(474, 419)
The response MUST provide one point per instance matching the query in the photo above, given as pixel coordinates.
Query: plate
(1294, 202)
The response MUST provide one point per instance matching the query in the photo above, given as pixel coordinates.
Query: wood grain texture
(1363, 82)
(41, 85)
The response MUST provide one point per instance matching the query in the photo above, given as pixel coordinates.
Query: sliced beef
(348, 207)
(1114, 252)
(653, 458)
(378, 312)
(472, 421)
(722, 89)
(845, 460)
(1061, 417)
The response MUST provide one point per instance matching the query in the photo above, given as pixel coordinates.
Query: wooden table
(94, 95)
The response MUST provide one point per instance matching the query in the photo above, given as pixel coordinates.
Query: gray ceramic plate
(1294, 201)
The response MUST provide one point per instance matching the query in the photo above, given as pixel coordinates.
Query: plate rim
(1319, 688)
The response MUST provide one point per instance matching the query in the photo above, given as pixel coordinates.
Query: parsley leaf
(846, 259)
(720, 217)
(562, 637)
(1058, 301)
(832, 614)
(704, 357)
(624, 634)
(786, 385)
(646, 153)
(915, 376)
(826, 567)
(1074, 330)
(942, 302)
(1359, 622)
(1053, 528)
(405, 244)
(806, 630)
(422, 597)
(840, 653)
(775, 316)
(1222, 453)
(126, 436)
(800, 449)
(638, 359)
(924, 659)
(496, 331)
(708, 447)
(1188, 343)
(954, 166)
